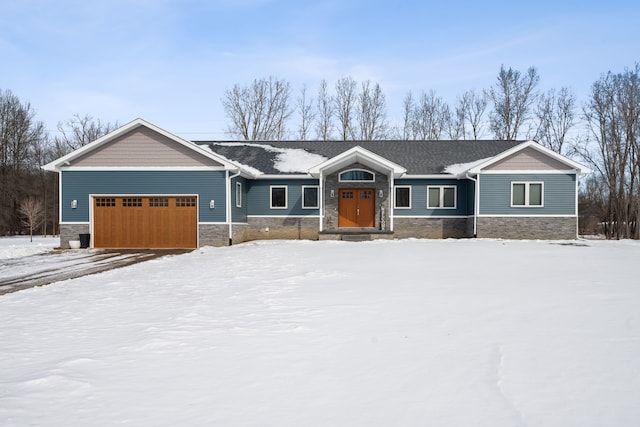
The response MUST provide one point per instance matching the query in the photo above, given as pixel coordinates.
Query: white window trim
(317, 206)
(373, 179)
(441, 201)
(238, 194)
(395, 205)
(286, 196)
(526, 194)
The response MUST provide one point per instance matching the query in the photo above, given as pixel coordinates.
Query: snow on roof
(247, 168)
(460, 168)
(288, 160)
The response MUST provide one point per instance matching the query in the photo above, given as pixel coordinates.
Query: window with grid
(132, 202)
(105, 201)
(185, 202)
(156, 202)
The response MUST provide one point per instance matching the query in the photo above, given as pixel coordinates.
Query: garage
(145, 221)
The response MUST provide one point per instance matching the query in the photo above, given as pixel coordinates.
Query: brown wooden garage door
(145, 222)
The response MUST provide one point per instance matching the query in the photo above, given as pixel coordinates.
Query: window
(402, 197)
(129, 202)
(441, 197)
(238, 194)
(310, 198)
(156, 202)
(278, 197)
(185, 202)
(105, 202)
(528, 194)
(357, 175)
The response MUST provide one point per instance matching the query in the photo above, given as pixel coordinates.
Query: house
(143, 187)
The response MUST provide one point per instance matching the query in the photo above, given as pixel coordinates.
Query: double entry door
(356, 207)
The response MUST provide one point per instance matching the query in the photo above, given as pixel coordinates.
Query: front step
(355, 235)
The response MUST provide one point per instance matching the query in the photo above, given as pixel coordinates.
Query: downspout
(321, 204)
(229, 214)
(476, 203)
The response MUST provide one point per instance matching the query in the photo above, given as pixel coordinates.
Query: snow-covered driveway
(24, 265)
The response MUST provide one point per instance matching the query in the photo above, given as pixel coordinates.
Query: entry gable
(358, 155)
(140, 144)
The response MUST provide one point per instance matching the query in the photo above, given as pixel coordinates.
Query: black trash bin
(85, 239)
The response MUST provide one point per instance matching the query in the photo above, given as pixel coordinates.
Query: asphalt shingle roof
(418, 157)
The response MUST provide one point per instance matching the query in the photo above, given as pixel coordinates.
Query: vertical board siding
(79, 185)
(527, 160)
(559, 194)
(464, 197)
(260, 203)
(134, 148)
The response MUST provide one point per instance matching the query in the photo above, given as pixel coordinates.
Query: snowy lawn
(15, 247)
(387, 333)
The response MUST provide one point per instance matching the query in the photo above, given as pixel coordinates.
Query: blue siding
(239, 214)
(559, 194)
(259, 203)
(464, 197)
(208, 185)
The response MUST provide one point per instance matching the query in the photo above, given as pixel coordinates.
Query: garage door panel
(145, 222)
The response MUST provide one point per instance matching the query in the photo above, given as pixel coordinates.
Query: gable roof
(112, 136)
(571, 165)
(416, 157)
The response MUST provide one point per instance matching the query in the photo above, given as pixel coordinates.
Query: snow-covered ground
(15, 247)
(387, 333)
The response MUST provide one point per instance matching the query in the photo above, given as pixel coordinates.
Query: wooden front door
(356, 207)
(145, 222)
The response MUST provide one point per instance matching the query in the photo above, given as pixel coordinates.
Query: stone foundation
(213, 234)
(271, 228)
(72, 232)
(432, 228)
(544, 228)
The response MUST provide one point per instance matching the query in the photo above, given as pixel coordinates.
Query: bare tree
(613, 118)
(372, 112)
(31, 211)
(429, 117)
(20, 133)
(556, 116)
(79, 131)
(512, 96)
(345, 101)
(259, 111)
(473, 105)
(454, 122)
(307, 115)
(407, 117)
(324, 126)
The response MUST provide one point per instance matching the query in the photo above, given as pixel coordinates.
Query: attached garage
(145, 221)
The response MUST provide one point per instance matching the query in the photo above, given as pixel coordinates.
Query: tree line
(601, 132)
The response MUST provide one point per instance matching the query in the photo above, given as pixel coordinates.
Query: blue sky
(170, 62)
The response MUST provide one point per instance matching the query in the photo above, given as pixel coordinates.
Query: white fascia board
(531, 144)
(360, 155)
(141, 168)
(288, 176)
(56, 164)
(432, 176)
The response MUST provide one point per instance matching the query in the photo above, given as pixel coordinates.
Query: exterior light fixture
(380, 193)
(333, 193)
(74, 204)
(212, 204)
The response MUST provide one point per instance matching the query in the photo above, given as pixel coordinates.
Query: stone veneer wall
(271, 228)
(331, 203)
(546, 228)
(213, 234)
(72, 232)
(432, 228)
